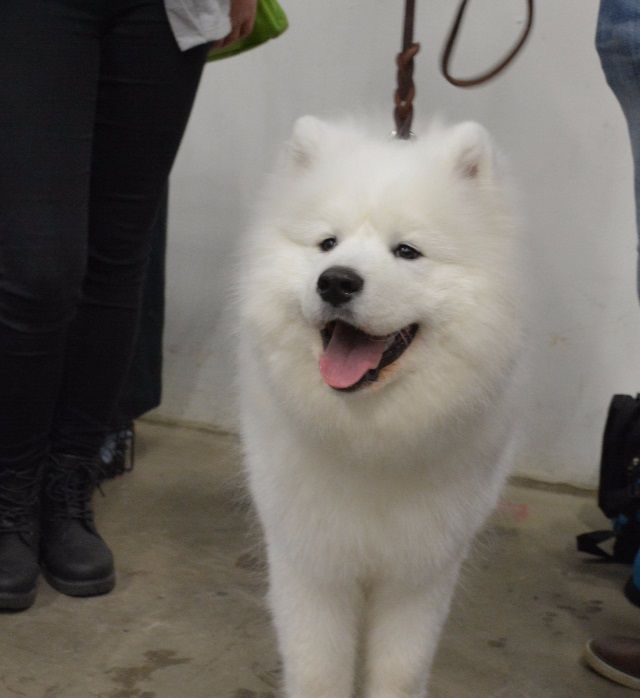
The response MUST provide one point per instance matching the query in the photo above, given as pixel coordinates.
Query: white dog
(379, 335)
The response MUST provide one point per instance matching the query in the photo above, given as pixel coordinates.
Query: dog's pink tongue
(348, 356)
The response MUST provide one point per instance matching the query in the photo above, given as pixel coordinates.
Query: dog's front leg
(404, 623)
(316, 624)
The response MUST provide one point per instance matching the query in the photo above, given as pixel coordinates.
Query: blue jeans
(618, 45)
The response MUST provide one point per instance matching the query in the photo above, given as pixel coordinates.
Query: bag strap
(590, 543)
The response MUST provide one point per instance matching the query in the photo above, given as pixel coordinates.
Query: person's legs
(146, 89)
(49, 56)
(54, 379)
(618, 45)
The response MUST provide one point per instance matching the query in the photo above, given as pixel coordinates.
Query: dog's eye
(328, 244)
(406, 252)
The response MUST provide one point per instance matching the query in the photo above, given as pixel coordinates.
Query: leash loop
(480, 79)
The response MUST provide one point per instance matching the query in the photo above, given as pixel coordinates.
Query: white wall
(551, 112)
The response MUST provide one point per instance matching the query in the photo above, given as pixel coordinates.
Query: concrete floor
(187, 618)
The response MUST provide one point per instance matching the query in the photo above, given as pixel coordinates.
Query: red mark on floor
(515, 511)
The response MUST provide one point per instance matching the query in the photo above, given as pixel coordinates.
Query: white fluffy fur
(369, 500)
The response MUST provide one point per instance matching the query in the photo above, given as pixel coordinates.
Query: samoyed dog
(379, 334)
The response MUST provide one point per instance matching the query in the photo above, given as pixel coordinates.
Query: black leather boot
(74, 558)
(19, 570)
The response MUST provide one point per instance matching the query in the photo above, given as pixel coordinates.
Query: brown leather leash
(403, 113)
(405, 92)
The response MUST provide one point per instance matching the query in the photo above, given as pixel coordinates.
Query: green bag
(271, 21)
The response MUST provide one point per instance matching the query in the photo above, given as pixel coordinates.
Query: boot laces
(69, 487)
(18, 499)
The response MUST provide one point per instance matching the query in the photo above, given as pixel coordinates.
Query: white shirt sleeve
(197, 22)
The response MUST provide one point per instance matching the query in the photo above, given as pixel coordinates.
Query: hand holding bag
(271, 21)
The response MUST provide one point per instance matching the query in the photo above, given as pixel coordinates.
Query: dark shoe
(117, 452)
(74, 558)
(616, 658)
(19, 568)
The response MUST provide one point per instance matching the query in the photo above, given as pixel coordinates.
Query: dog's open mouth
(352, 358)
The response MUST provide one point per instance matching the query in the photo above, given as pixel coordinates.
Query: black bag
(619, 487)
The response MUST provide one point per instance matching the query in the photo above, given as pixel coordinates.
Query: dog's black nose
(338, 285)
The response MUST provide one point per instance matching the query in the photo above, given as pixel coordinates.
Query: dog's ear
(472, 150)
(308, 136)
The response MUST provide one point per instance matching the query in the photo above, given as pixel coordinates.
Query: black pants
(142, 389)
(94, 99)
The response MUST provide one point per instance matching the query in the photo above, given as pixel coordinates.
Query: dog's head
(376, 260)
